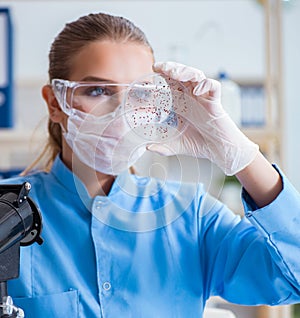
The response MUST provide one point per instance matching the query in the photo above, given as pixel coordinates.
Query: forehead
(114, 61)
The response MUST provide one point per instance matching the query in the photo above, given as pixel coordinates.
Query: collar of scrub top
(125, 182)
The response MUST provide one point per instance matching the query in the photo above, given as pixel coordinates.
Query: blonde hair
(69, 42)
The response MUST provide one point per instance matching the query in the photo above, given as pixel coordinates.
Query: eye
(95, 91)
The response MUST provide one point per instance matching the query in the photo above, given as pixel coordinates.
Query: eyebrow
(97, 79)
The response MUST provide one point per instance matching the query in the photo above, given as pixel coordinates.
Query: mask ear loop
(63, 130)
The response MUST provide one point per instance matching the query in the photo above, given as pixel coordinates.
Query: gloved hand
(210, 132)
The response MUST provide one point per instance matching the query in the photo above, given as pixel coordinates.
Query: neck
(96, 183)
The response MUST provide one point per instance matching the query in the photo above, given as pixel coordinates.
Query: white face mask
(106, 143)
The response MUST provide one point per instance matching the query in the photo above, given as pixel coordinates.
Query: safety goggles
(153, 106)
(100, 98)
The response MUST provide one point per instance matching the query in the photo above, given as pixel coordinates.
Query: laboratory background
(251, 46)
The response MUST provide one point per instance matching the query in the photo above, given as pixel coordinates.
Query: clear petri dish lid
(155, 108)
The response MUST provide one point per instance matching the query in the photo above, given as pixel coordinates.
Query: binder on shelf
(6, 69)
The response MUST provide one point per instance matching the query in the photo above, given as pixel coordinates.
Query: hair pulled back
(68, 43)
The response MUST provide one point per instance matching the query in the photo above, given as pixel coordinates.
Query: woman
(116, 244)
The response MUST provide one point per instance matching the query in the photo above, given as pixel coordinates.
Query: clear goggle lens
(95, 98)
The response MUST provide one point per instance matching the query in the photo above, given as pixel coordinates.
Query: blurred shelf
(261, 135)
(12, 135)
(19, 148)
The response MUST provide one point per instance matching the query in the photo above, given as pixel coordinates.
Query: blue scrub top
(153, 249)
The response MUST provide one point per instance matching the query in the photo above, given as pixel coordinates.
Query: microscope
(20, 225)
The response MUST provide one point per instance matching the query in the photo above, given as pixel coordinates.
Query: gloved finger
(208, 86)
(179, 72)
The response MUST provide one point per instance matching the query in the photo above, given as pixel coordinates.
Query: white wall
(291, 27)
(209, 34)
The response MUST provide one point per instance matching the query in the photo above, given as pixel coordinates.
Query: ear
(55, 112)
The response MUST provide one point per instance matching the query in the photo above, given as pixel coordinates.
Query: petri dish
(155, 108)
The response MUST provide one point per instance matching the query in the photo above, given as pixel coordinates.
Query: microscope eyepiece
(20, 219)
